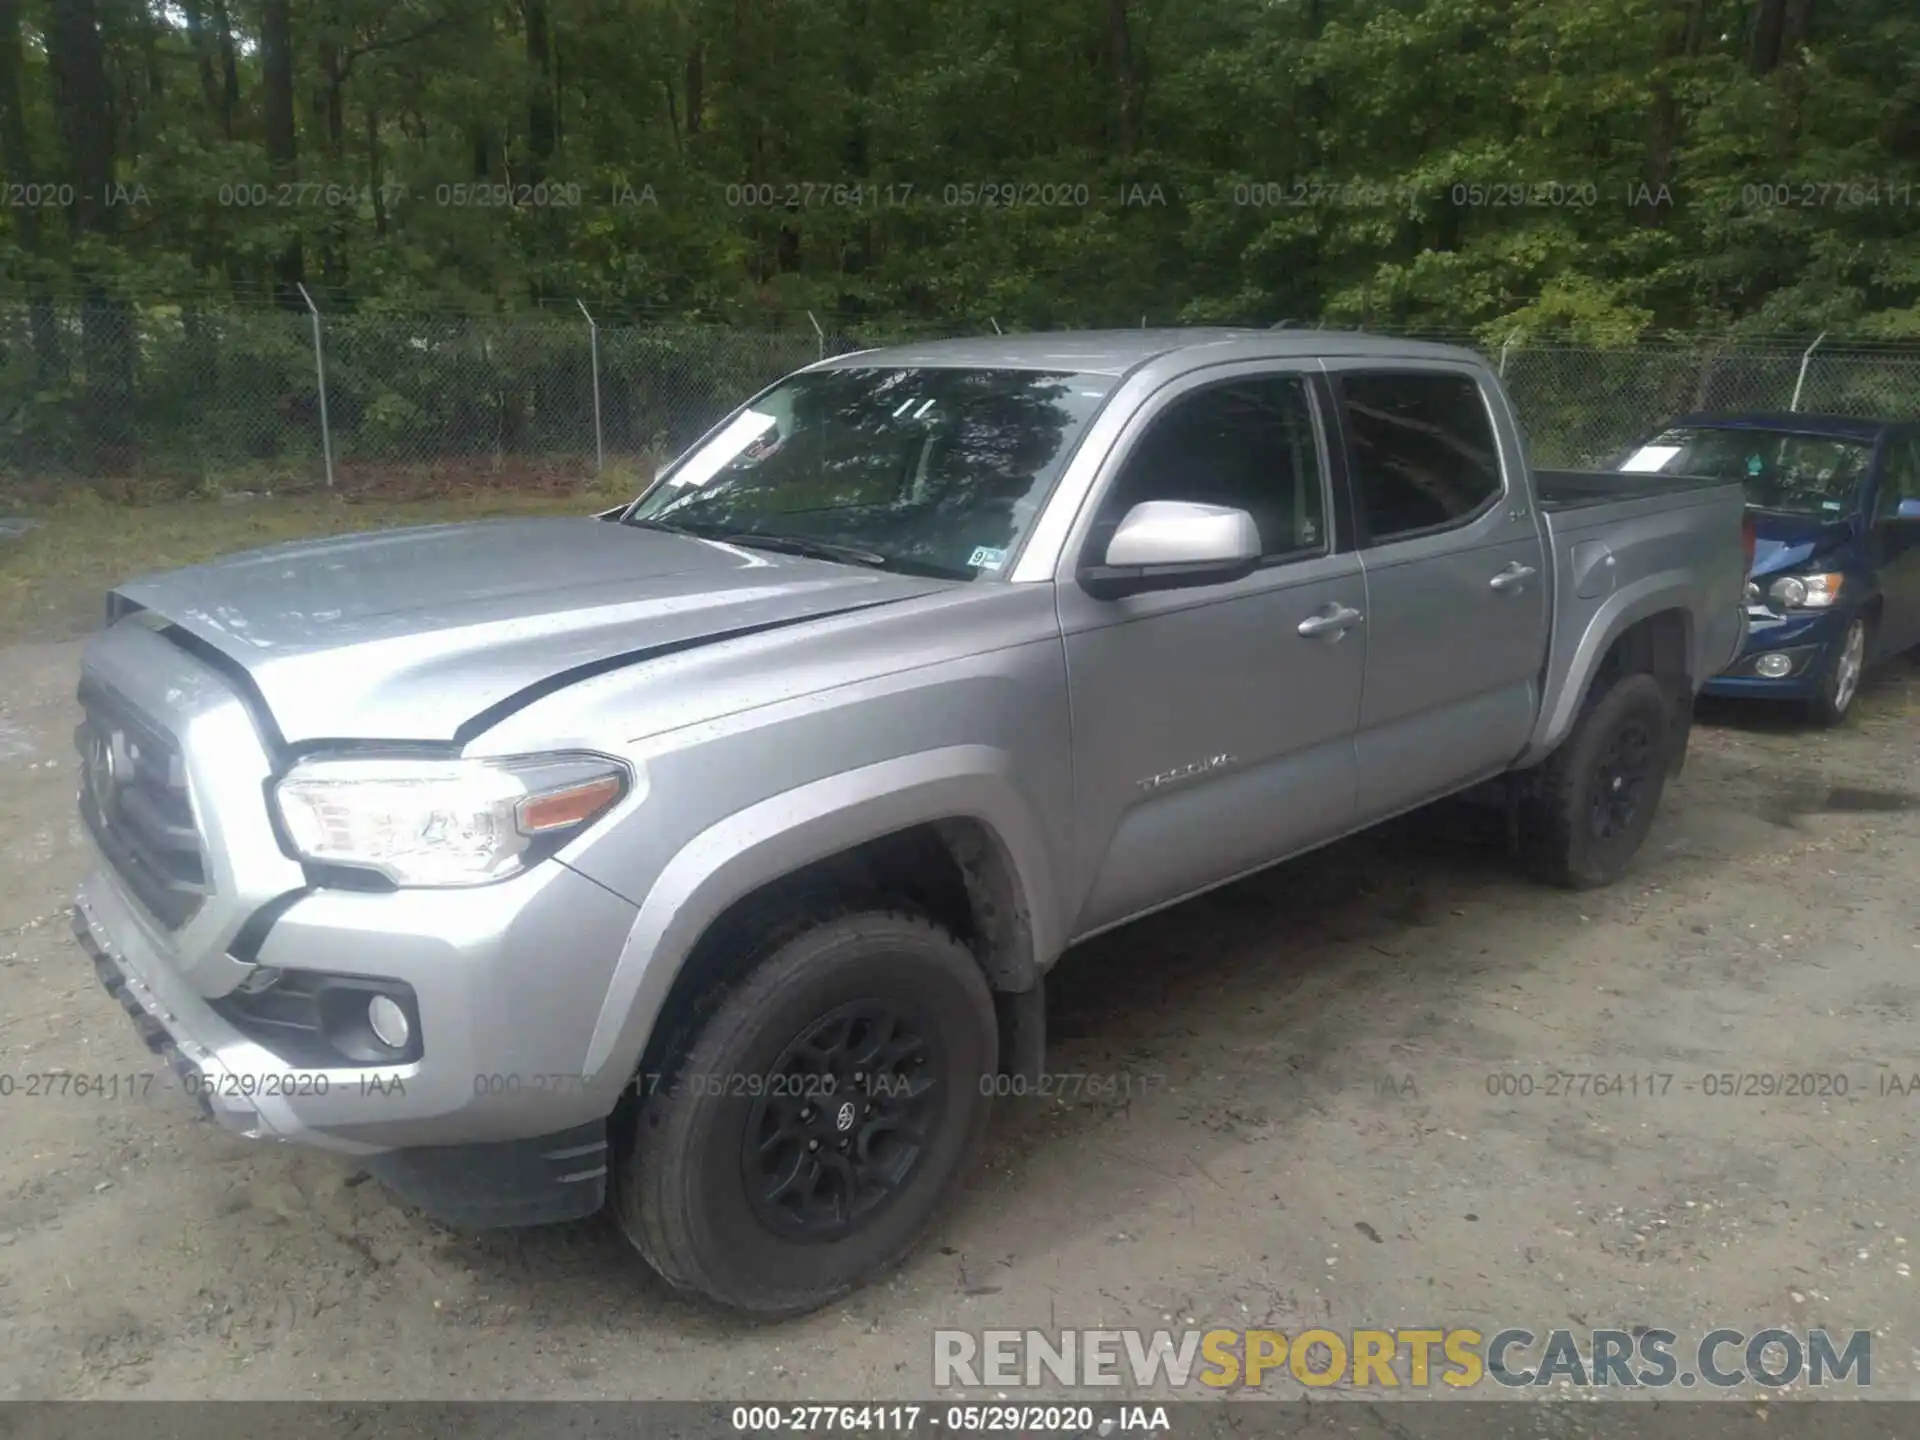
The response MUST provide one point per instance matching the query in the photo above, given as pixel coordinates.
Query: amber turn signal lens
(563, 809)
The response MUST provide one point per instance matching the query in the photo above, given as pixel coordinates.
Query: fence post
(1704, 386)
(1505, 345)
(1801, 380)
(819, 337)
(593, 352)
(996, 325)
(320, 371)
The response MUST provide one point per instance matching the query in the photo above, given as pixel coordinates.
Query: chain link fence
(101, 389)
(1581, 405)
(264, 399)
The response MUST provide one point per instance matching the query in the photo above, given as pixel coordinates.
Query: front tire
(1595, 797)
(1840, 686)
(815, 1125)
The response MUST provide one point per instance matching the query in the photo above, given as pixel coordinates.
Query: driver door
(1211, 735)
(1894, 542)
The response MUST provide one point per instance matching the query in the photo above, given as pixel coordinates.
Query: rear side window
(1423, 450)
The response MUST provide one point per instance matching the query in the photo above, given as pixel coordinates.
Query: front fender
(777, 836)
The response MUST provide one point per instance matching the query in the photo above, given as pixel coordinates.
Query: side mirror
(1170, 544)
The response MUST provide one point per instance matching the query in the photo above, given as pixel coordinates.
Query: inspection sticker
(985, 557)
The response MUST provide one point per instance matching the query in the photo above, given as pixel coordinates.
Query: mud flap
(1023, 1032)
(541, 1181)
(1680, 730)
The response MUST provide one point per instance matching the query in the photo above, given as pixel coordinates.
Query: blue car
(1835, 507)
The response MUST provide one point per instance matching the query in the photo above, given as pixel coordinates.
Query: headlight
(1805, 592)
(443, 822)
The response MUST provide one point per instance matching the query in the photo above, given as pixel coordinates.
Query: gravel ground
(1310, 1137)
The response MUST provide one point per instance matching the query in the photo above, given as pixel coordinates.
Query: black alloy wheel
(819, 1106)
(1588, 807)
(1620, 780)
(841, 1122)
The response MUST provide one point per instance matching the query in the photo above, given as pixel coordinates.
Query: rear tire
(1840, 685)
(1596, 796)
(760, 1175)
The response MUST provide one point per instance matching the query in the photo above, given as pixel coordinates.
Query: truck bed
(1618, 544)
(1575, 489)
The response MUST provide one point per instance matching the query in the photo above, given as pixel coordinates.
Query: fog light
(388, 1022)
(1771, 666)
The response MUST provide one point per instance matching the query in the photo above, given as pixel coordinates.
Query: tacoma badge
(1185, 772)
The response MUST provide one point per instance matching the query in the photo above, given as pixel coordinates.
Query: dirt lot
(1311, 1137)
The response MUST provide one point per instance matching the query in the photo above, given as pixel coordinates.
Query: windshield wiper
(816, 549)
(796, 545)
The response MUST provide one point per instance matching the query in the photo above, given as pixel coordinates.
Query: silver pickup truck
(707, 855)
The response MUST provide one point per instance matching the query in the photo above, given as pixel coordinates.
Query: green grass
(53, 579)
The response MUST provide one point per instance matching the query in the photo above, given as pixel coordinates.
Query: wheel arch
(946, 833)
(1648, 628)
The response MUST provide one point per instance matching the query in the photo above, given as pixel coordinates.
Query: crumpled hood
(1790, 542)
(424, 634)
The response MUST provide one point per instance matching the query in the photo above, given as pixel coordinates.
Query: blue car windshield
(930, 470)
(1816, 475)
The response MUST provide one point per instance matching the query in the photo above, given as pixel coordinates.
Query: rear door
(1457, 591)
(1895, 545)
(1211, 733)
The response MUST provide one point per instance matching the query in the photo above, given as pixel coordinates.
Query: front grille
(133, 798)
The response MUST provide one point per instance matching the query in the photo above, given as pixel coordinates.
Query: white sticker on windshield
(985, 557)
(719, 452)
(1649, 458)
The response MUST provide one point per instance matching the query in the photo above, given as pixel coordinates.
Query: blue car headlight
(1805, 592)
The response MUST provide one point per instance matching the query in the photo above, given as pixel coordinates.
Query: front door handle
(1513, 577)
(1331, 623)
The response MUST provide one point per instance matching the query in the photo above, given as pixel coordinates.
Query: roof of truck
(1114, 352)
(1842, 427)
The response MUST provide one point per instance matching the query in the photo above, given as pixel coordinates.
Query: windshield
(930, 470)
(1802, 474)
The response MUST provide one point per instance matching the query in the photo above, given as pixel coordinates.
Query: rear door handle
(1331, 623)
(1513, 577)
